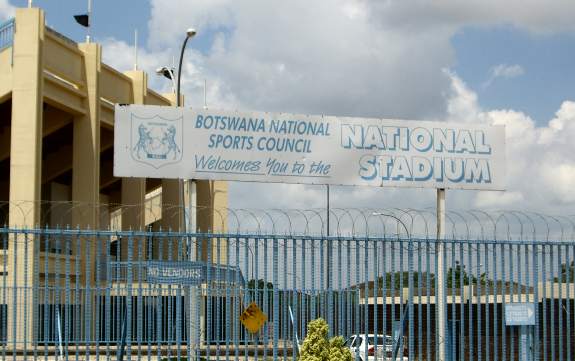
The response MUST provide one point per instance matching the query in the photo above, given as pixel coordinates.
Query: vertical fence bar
(452, 303)
(88, 292)
(178, 298)
(428, 281)
(340, 293)
(275, 297)
(296, 306)
(478, 291)
(76, 305)
(46, 313)
(304, 286)
(140, 259)
(218, 333)
(560, 306)
(366, 293)
(209, 293)
(246, 290)
(24, 293)
(536, 342)
(375, 296)
(159, 296)
(470, 310)
(504, 292)
(462, 304)
(68, 301)
(5, 250)
(322, 288)
(487, 293)
(108, 297)
(419, 304)
(348, 313)
(401, 288)
(329, 284)
(393, 289)
(552, 300)
(287, 300)
(569, 281)
(265, 290)
(129, 281)
(493, 295)
(237, 310)
(384, 290)
(228, 312)
(358, 291)
(99, 239)
(313, 279)
(410, 300)
(35, 312)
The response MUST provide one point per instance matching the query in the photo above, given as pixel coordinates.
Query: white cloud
(533, 15)
(6, 10)
(540, 168)
(498, 199)
(365, 58)
(310, 57)
(503, 71)
(507, 71)
(540, 162)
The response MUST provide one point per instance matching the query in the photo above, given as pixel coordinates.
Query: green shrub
(316, 347)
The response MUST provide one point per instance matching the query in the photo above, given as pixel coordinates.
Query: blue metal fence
(76, 293)
(6, 34)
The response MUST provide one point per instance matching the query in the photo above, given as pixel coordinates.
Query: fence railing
(164, 295)
(6, 34)
(357, 222)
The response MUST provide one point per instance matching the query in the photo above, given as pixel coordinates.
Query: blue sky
(548, 60)
(499, 62)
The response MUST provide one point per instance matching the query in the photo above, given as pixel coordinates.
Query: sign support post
(194, 317)
(523, 317)
(440, 289)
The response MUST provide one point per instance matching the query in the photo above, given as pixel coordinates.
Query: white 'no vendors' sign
(169, 142)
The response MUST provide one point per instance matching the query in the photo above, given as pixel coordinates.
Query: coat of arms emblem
(156, 141)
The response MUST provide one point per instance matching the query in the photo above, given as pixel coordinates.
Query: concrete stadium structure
(57, 102)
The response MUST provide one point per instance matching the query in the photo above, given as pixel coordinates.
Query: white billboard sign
(169, 142)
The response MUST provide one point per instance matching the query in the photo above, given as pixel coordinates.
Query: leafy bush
(316, 347)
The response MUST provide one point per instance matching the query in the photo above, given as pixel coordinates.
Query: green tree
(257, 290)
(456, 275)
(260, 284)
(567, 273)
(399, 280)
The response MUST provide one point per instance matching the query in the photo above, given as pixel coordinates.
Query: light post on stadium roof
(190, 33)
(168, 72)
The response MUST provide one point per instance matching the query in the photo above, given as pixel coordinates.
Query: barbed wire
(345, 222)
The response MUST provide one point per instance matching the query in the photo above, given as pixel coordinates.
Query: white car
(382, 351)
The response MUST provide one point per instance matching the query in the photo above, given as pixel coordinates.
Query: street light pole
(195, 331)
(190, 33)
(410, 288)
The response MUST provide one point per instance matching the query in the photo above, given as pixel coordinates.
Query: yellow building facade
(57, 102)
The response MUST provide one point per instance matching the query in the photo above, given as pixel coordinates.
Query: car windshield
(380, 340)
